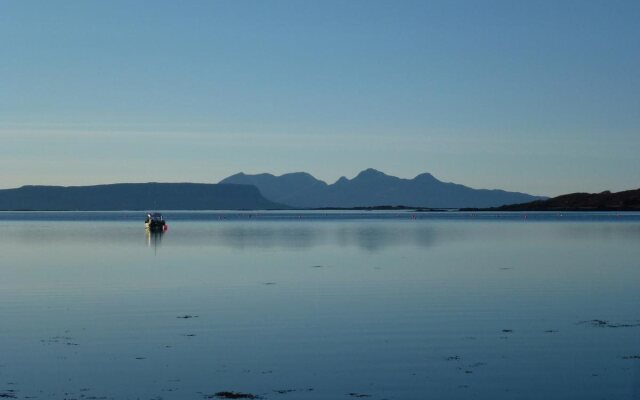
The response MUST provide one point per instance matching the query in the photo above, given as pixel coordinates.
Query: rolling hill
(628, 200)
(135, 196)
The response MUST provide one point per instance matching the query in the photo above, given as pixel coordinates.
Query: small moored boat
(155, 222)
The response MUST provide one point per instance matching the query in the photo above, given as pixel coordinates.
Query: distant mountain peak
(425, 177)
(299, 175)
(371, 187)
(370, 172)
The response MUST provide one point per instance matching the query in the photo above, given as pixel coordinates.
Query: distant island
(628, 200)
(386, 193)
(136, 196)
(369, 190)
(372, 188)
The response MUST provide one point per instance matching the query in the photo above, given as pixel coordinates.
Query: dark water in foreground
(320, 306)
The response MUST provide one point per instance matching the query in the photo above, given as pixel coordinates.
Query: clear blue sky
(534, 96)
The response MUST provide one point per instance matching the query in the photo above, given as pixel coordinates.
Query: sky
(541, 97)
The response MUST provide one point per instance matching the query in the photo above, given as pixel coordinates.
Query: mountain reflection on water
(242, 235)
(365, 230)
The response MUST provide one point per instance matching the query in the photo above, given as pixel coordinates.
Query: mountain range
(136, 196)
(372, 188)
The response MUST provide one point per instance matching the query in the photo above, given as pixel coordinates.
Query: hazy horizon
(349, 177)
(540, 98)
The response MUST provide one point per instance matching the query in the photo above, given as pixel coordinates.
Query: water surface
(320, 305)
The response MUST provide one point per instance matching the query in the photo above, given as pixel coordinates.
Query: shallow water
(320, 305)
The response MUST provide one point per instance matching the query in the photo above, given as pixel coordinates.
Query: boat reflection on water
(154, 238)
(155, 227)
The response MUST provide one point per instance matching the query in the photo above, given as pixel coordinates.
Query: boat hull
(155, 227)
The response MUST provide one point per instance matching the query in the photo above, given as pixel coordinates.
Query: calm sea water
(320, 305)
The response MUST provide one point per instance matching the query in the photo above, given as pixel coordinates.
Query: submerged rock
(606, 324)
(232, 395)
(284, 391)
